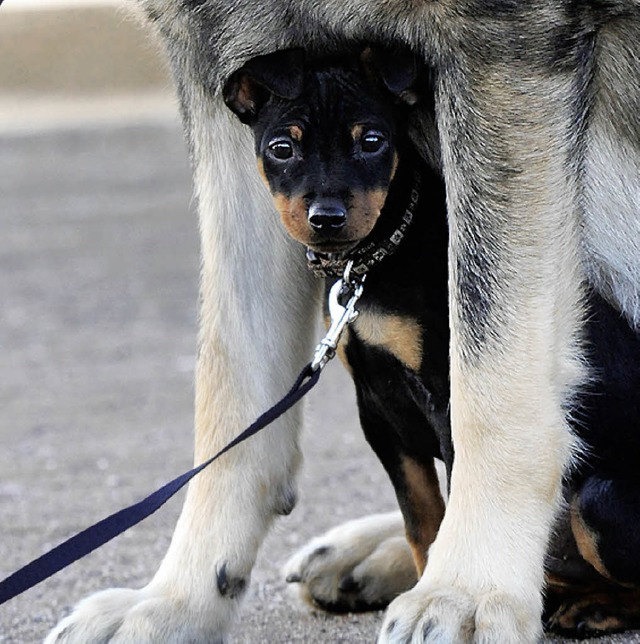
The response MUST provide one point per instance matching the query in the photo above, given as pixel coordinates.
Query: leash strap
(100, 533)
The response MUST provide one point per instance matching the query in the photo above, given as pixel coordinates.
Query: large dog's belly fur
(611, 182)
(537, 175)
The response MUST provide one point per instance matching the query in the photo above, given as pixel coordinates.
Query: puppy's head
(327, 135)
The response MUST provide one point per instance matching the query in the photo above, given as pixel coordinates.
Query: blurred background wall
(93, 52)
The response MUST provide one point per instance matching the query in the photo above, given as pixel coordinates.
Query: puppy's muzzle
(327, 217)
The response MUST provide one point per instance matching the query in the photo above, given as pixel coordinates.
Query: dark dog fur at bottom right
(332, 137)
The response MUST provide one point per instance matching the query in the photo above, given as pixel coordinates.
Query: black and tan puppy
(333, 147)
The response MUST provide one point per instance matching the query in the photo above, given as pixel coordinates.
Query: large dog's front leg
(515, 292)
(257, 320)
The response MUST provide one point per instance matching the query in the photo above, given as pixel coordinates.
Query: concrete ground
(98, 293)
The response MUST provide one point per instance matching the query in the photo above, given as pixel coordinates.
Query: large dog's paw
(446, 615)
(360, 565)
(134, 617)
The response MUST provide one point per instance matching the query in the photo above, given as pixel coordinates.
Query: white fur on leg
(514, 367)
(257, 323)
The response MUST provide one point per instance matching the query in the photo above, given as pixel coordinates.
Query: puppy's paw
(595, 614)
(360, 565)
(133, 617)
(446, 615)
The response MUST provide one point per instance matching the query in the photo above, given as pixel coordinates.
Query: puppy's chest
(398, 315)
(398, 334)
(397, 348)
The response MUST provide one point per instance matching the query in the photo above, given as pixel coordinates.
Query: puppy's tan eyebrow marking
(356, 132)
(295, 132)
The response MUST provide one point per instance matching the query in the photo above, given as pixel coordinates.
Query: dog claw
(348, 584)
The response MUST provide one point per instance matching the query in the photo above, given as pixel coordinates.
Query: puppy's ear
(279, 74)
(399, 71)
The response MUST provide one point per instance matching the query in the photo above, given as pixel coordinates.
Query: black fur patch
(286, 501)
(230, 587)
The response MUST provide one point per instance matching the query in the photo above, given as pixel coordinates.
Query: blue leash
(100, 533)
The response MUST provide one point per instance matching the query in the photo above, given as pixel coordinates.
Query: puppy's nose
(327, 216)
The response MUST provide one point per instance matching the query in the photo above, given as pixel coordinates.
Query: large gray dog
(538, 128)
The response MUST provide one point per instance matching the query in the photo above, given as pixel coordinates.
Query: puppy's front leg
(515, 316)
(257, 321)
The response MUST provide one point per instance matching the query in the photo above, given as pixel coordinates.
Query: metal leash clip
(346, 287)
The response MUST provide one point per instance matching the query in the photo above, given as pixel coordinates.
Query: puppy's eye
(372, 141)
(281, 149)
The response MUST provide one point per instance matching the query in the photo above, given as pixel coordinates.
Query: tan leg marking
(427, 508)
(587, 541)
(400, 336)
